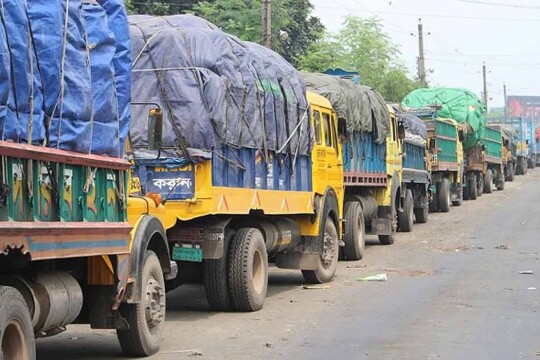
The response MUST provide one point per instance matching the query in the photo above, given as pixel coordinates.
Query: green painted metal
(492, 141)
(43, 191)
(446, 140)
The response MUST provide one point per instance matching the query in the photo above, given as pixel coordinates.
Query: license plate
(187, 254)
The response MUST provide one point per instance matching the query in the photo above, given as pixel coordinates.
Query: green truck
(482, 147)
(444, 159)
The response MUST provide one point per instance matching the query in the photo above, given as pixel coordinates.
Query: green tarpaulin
(461, 105)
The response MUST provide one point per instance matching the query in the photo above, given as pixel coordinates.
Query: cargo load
(217, 93)
(453, 103)
(362, 108)
(60, 79)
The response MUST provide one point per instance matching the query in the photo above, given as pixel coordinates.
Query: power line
(439, 16)
(480, 2)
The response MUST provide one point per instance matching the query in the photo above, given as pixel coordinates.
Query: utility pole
(421, 60)
(267, 23)
(485, 85)
(504, 92)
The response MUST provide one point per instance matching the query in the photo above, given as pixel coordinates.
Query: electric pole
(421, 60)
(504, 92)
(485, 85)
(267, 23)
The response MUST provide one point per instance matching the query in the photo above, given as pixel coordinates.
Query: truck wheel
(146, 318)
(421, 214)
(355, 233)
(500, 183)
(510, 172)
(328, 261)
(216, 278)
(443, 195)
(480, 184)
(488, 182)
(16, 329)
(473, 194)
(406, 218)
(248, 270)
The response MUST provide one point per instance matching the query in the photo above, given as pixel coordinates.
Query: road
(454, 291)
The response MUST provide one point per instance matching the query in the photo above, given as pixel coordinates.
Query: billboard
(526, 107)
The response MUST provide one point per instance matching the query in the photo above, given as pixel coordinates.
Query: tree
(363, 46)
(302, 29)
(161, 7)
(243, 19)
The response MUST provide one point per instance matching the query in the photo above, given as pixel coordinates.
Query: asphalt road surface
(454, 291)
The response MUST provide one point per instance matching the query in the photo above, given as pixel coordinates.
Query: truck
(444, 159)
(76, 247)
(417, 177)
(248, 171)
(509, 149)
(493, 154)
(380, 197)
(482, 147)
(526, 143)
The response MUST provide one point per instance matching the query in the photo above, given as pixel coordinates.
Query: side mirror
(527, 142)
(155, 129)
(461, 137)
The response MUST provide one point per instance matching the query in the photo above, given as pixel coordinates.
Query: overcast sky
(462, 34)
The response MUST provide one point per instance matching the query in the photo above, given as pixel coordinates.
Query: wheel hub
(155, 303)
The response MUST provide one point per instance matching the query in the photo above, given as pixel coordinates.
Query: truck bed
(364, 161)
(59, 204)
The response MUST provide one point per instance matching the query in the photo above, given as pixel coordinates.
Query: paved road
(454, 291)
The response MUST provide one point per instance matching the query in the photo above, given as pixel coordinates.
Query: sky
(459, 36)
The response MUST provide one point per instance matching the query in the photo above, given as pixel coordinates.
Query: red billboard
(526, 107)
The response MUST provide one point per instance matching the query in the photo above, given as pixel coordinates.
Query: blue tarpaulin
(215, 90)
(59, 81)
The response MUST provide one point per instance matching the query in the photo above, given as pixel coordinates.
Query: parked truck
(248, 172)
(380, 195)
(467, 109)
(416, 171)
(526, 141)
(509, 149)
(444, 159)
(75, 246)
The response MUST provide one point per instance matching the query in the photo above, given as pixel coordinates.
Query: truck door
(320, 178)
(393, 144)
(334, 160)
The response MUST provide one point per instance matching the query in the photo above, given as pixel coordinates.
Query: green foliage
(363, 46)
(320, 55)
(243, 18)
(161, 7)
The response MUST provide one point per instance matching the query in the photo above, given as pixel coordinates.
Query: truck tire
(248, 270)
(216, 278)
(421, 214)
(500, 183)
(390, 239)
(510, 172)
(488, 182)
(328, 261)
(145, 319)
(406, 218)
(473, 194)
(355, 232)
(480, 184)
(16, 330)
(443, 195)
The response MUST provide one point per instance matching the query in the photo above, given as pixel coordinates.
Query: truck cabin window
(328, 131)
(317, 124)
